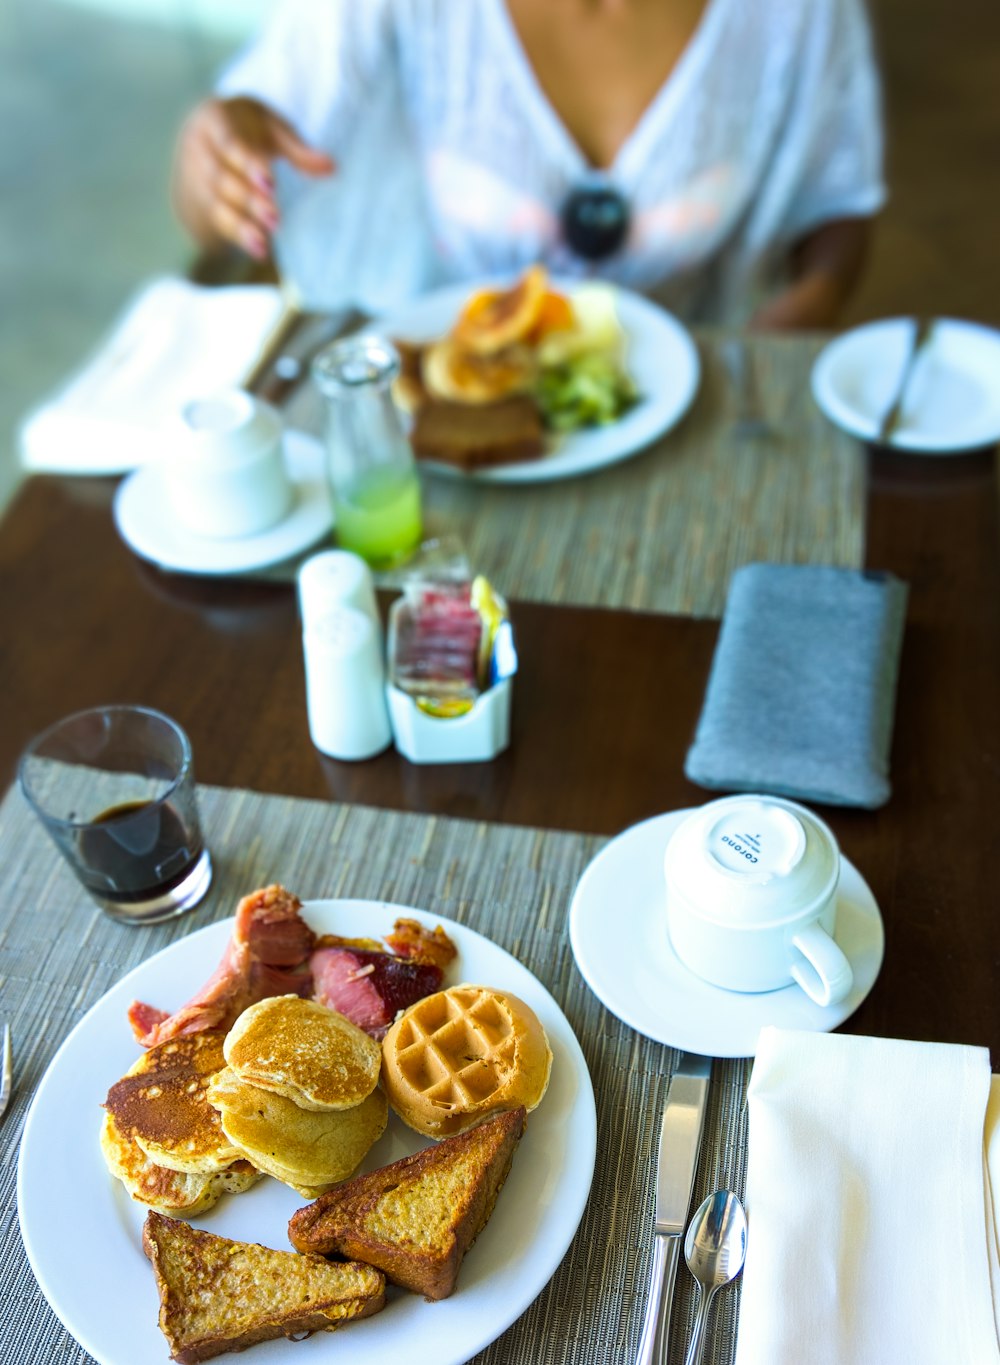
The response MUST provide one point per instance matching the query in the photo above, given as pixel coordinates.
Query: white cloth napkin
(872, 1230)
(176, 341)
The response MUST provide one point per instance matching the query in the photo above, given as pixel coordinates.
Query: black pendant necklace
(595, 221)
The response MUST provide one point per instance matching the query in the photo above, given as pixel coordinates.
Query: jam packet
(443, 635)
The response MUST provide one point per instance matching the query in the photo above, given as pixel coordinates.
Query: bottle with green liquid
(370, 467)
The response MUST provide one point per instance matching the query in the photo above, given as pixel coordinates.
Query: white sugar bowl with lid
(225, 472)
(751, 892)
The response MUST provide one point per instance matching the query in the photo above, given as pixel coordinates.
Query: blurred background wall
(92, 93)
(91, 96)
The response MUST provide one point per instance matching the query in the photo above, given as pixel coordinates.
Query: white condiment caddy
(355, 709)
(475, 737)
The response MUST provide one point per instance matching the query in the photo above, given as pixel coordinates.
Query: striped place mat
(59, 954)
(664, 531)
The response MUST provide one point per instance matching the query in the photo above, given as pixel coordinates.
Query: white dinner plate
(660, 356)
(618, 931)
(952, 401)
(147, 525)
(82, 1232)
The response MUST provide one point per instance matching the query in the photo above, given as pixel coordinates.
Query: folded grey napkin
(802, 688)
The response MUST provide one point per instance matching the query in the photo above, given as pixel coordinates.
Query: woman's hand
(825, 266)
(223, 186)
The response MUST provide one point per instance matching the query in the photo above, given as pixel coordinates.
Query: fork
(6, 1083)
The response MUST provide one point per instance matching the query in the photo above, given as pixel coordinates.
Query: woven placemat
(59, 954)
(663, 531)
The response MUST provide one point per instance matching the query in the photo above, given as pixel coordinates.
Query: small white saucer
(146, 524)
(618, 931)
(952, 401)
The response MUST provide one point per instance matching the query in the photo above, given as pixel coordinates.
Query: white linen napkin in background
(872, 1231)
(175, 341)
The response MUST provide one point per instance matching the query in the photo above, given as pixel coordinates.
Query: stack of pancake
(299, 1095)
(162, 1138)
(290, 1091)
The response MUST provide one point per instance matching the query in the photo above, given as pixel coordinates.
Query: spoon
(715, 1247)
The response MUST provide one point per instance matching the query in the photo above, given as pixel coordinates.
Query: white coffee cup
(751, 895)
(225, 472)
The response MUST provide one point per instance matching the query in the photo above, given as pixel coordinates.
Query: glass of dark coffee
(114, 787)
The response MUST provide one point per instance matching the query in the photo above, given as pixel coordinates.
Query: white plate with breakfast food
(541, 379)
(141, 512)
(84, 1235)
(950, 402)
(618, 932)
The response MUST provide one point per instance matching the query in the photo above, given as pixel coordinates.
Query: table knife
(922, 329)
(680, 1139)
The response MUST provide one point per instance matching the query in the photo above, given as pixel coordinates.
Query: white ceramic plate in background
(952, 399)
(145, 522)
(83, 1234)
(660, 356)
(618, 932)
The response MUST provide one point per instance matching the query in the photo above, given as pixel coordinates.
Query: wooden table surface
(605, 705)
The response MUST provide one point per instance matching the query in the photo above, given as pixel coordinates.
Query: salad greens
(589, 389)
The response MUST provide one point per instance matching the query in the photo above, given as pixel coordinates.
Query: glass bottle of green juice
(370, 467)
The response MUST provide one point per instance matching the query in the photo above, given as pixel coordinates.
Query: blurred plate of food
(538, 379)
(70, 1205)
(950, 401)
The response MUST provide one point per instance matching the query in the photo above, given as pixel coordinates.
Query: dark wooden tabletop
(605, 706)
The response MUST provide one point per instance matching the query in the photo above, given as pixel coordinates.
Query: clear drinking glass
(114, 788)
(370, 466)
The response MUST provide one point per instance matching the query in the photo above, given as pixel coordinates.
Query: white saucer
(144, 522)
(952, 401)
(618, 931)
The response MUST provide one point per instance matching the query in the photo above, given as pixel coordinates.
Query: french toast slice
(217, 1295)
(416, 1218)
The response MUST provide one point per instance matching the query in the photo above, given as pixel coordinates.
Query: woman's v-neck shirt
(455, 165)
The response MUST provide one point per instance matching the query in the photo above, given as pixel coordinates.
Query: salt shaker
(335, 578)
(345, 684)
(370, 466)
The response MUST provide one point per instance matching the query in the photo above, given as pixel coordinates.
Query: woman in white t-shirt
(722, 156)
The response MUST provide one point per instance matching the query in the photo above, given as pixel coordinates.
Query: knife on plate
(680, 1139)
(923, 328)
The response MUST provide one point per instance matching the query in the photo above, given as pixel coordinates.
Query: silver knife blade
(923, 328)
(680, 1139)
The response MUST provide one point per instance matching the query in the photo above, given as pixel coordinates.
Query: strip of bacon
(268, 954)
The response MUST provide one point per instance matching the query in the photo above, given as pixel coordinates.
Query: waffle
(458, 1056)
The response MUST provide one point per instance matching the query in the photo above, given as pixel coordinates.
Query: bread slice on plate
(416, 1218)
(217, 1295)
(506, 431)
